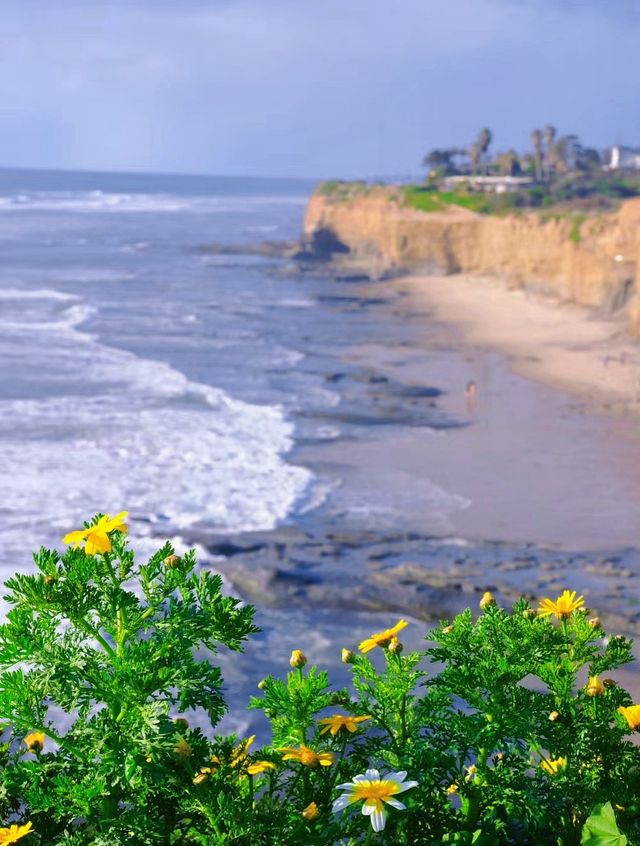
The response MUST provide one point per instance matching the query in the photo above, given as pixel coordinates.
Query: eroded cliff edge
(593, 261)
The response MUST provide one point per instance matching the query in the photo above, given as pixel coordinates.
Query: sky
(309, 88)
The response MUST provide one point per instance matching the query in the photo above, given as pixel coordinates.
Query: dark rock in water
(271, 249)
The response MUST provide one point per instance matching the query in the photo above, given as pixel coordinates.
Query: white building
(488, 184)
(623, 158)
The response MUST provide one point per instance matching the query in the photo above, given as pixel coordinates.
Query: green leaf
(601, 828)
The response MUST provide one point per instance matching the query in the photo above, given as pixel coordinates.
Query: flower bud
(471, 772)
(608, 683)
(453, 788)
(594, 686)
(35, 742)
(181, 722)
(310, 812)
(298, 659)
(487, 601)
(262, 684)
(529, 613)
(447, 630)
(182, 750)
(50, 580)
(395, 646)
(553, 716)
(594, 622)
(171, 561)
(347, 656)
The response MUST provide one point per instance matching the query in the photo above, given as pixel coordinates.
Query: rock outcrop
(593, 261)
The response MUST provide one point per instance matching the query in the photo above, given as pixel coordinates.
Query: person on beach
(471, 395)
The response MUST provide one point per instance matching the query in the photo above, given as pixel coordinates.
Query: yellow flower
(14, 833)
(453, 788)
(553, 716)
(374, 792)
(487, 600)
(260, 767)
(298, 659)
(340, 721)
(34, 742)
(382, 638)
(471, 772)
(307, 756)
(347, 656)
(204, 774)
(631, 715)
(240, 752)
(594, 687)
(310, 812)
(563, 607)
(96, 538)
(553, 765)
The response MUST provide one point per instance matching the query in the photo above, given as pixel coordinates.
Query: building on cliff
(488, 184)
(623, 158)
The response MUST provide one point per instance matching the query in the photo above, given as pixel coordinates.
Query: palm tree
(509, 163)
(483, 142)
(549, 135)
(564, 153)
(536, 142)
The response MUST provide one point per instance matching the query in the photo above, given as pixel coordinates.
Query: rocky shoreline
(428, 578)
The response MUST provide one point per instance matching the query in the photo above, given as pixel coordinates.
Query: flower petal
(76, 537)
(372, 775)
(348, 786)
(341, 803)
(406, 785)
(378, 820)
(97, 542)
(399, 776)
(396, 804)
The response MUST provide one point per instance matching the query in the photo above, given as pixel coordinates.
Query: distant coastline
(559, 293)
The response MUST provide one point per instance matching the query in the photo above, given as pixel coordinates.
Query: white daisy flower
(374, 791)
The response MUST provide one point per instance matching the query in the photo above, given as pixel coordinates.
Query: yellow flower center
(374, 792)
(308, 757)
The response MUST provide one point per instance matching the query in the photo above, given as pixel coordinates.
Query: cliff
(593, 261)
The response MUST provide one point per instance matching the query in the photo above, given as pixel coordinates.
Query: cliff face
(593, 263)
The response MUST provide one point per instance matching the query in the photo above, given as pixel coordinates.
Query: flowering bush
(505, 729)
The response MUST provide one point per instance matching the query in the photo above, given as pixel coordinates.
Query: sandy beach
(559, 344)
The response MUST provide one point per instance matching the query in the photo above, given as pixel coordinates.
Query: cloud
(300, 87)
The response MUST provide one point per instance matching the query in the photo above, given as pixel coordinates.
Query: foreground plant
(506, 730)
(99, 655)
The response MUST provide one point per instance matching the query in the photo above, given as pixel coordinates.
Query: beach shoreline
(563, 345)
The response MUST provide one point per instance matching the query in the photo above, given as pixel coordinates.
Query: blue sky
(306, 87)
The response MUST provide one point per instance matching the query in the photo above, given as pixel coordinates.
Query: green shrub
(503, 730)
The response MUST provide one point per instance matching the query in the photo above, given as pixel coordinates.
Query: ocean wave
(101, 202)
(136, 434)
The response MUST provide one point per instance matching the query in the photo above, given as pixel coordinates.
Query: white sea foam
(135, 434)
(102, 202)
